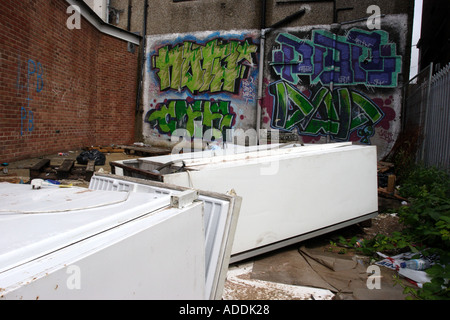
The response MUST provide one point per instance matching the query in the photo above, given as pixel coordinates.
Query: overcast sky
(416, 37)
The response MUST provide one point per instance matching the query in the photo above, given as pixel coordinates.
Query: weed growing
(426, 221)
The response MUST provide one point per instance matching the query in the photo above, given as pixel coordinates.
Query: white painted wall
(100, 7)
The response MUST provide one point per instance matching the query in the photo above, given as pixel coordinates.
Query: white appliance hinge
(183, 199)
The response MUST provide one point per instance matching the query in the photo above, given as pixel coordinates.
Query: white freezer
(77, 243)
(288, 194)
(221, 212)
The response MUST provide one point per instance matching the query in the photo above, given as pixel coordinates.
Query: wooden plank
(146, 151)
(63, 171)
(36, 170)
(392, 195)
(136, 172)
(107, 149)
(391, 183)
(386, 164)
(90, 169)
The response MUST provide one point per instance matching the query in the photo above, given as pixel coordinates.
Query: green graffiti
(218, 66)
(336, 113)
(181, 114)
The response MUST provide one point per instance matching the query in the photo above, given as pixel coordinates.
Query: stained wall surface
(320, 83)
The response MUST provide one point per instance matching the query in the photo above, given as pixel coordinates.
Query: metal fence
(426, 116)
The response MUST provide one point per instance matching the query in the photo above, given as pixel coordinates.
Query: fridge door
(221, 213)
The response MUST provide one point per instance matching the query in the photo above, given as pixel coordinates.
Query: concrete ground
(317, 269)
(284, 274)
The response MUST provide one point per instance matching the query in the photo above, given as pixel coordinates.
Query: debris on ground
(311, 270)
(320, 263)
(387, 181)
(107, 149)
(92, 155)
(48, 167)
(67, 169)
(408, 267)
(145, 150)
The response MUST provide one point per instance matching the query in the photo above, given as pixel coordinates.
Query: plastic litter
(406, 267)
(416, 264)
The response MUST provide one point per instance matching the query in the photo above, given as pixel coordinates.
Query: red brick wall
(61, 89)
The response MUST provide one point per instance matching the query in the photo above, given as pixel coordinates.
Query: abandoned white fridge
(289, 193)
(78, 243)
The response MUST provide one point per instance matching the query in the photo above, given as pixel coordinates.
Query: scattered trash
(359, 243)
(94, 154)
(39, 183)
(406, 266)
(5, 167)
(139, 144)
(65, 170)
(386, 181)
(53, 181)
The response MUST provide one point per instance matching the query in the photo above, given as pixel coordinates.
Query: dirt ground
(259, 278)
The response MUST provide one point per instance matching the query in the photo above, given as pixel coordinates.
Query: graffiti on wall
(183, 114)
(34, 74)
(336, 113)
(200, 79)
(361, 57)
(217, 66)
(329, 64)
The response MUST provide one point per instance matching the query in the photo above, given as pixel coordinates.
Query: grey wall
(173, 24)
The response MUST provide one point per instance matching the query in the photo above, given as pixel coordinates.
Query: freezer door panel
(220, 218)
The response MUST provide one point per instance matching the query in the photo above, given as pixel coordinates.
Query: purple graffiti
(360, 57)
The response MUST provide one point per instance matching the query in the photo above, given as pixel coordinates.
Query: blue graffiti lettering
(360, 57)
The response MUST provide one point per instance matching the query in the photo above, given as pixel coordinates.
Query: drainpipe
(424, 140)
(261, 71)
(334, 28)
(108, 5)
(264, 32)
(145, 17)
(143, 57)
(129, 15)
